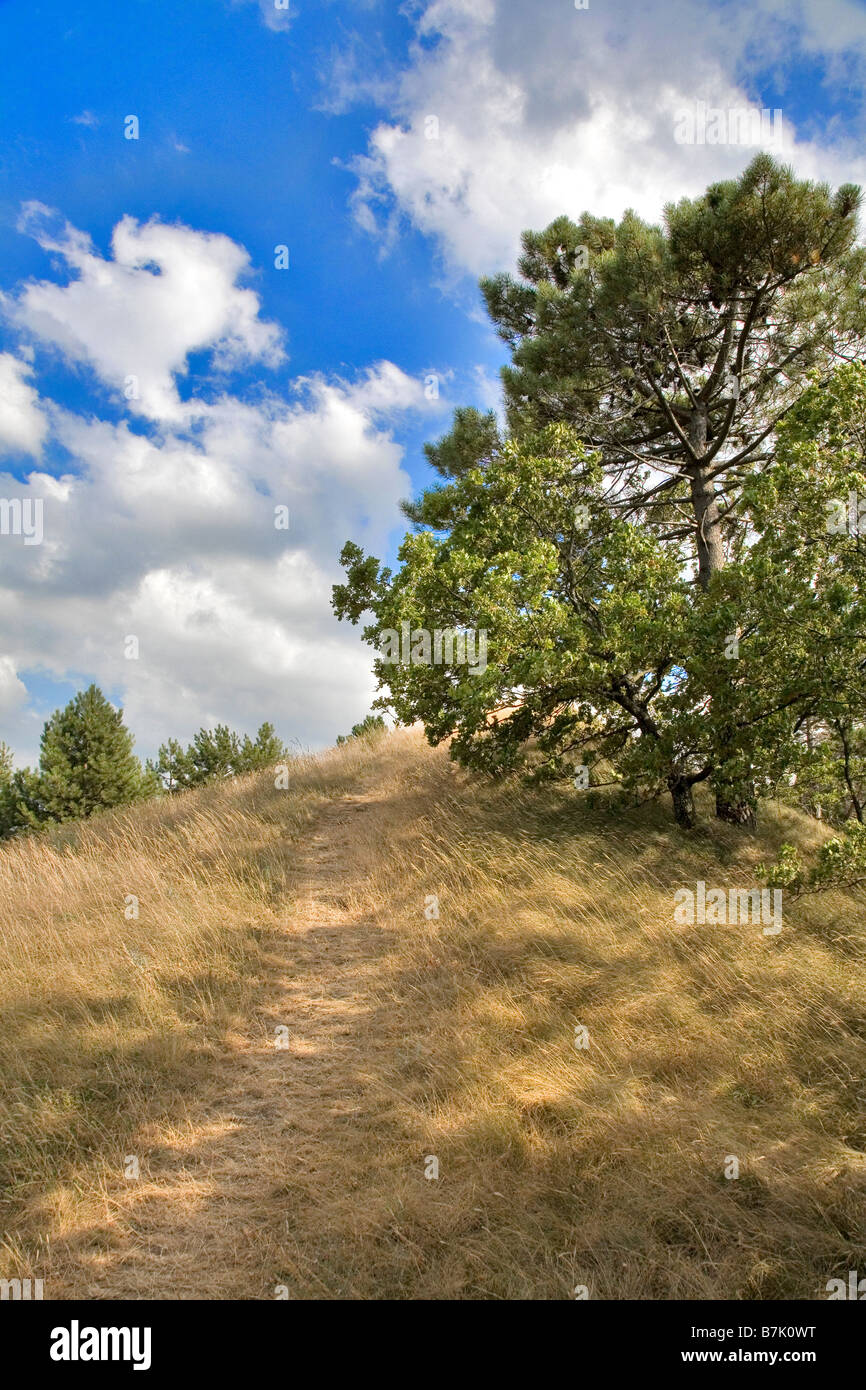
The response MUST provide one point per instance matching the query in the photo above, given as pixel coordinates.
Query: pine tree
(21, 804)
(215, 753)
(7, 799)
(86, 760)
(174, 767)
(264, 751)
(676, 351)
(372, 726)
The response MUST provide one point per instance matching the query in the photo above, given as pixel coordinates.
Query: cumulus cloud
(510, 114)
(13, 692)
(166, 291)
(169, 532)
(142, 502)
(22, 423)
(19, 729)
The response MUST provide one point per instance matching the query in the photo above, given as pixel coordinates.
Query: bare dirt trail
(246, 1192)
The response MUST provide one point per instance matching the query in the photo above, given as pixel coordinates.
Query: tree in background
(86, 764)
(829, 780)
(216, 753)
(173, 767)
(371, 726)
(603, 542)
(86, 761)
(263, 751)
(7, 800)
(19, 795)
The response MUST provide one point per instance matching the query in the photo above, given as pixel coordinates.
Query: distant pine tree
(216, 753)
(86, 762)
(7, 800)
(370, 727)
(265, 750)
(20, 800)
(173, 767)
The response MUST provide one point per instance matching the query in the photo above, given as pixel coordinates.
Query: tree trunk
(684, 806)
(737, 806)
(856, 806)
(711, 552)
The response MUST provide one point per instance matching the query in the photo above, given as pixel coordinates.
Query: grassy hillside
(299, 1167)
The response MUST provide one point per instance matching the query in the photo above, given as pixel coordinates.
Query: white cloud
(139, 502)
(510, 114)
(22, 423)
(166, 292)
(20, 727)
(170, 535)
(488, 392)
(175, 543)
(13, 692)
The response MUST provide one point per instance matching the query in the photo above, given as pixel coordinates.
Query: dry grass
(109, 1021)
(304, 1167)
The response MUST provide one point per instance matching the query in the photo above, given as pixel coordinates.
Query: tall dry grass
(448, 1037)
(109, 1019)
(602, 1167)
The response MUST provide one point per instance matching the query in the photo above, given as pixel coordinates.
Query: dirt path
(243, 1195)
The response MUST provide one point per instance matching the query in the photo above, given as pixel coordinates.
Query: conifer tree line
(87, 764)
(370, 727)
(665, 538)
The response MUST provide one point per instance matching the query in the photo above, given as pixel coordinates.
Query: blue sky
(231, 141)
(163, 385)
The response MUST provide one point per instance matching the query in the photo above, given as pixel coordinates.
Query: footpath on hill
(228, 1208)
(477, 1057)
